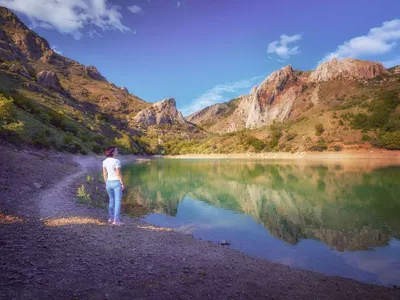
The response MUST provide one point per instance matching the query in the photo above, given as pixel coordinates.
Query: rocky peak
(94, 73)
(8, 16)
(163, 112)
(346, 68)
(274, 84)
(28, 42)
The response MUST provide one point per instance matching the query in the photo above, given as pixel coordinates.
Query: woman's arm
(119, 174)
(105, 174)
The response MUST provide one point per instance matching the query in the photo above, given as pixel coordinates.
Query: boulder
(20, 70)
(125, 90)
(49, 80)
(33, 87)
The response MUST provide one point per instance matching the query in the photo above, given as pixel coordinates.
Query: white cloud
(54, 47)
(135, 9)
(379, 40)
(69, 16)
(220, 93)
(178, 4)
(281, 47)
(93, 33)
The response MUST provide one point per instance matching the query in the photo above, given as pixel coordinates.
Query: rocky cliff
(163, 112)
(284, 92)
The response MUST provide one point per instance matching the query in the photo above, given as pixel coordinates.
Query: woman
(114, 184)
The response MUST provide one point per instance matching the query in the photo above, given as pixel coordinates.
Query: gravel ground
(53, 248)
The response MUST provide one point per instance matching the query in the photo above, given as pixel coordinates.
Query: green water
(336, 218)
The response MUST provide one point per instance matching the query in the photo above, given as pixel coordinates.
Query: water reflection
(345, 206)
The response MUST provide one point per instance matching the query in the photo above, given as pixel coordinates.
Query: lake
(336, 218)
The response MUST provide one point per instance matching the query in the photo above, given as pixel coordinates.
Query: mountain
(283, 93)
(343, 104)
(55, 102)
(61, 96)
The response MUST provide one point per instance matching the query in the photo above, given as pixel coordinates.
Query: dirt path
(52, 248)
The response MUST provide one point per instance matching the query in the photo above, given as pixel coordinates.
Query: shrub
(44, 117)
(124, 142)
(67, 139)
(83, 195)
(319, 129)
(290, 136)
(257, 144)
(366, 138)
(6, 109)
(359, 121)
(337, 148)
(56, 119)
(97, 149)
(14, 127)
(393, 124)
(8, 121)
(42, 139)
(69, 126)
(99, 139)
(319, 146)
(26, 104)
(389, 140)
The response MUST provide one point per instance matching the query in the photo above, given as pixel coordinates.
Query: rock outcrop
(273, 99)
(125, 90)
(49, 80)
(163, 112)
(346, 68)
(94, 73)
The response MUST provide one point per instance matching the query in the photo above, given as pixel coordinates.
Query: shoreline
(373, 154)
(86, 258)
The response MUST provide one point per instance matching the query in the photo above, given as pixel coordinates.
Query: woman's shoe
(110, 220)
(117, 223)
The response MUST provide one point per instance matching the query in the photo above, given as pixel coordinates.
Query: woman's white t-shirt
(111, 164)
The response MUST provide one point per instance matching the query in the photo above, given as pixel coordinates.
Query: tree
(8, 122)
(319, 129)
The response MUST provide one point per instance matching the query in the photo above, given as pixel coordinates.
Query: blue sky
(203, 52)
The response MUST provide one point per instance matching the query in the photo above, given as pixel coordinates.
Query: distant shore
(393, 156)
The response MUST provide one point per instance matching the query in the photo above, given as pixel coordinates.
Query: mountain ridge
(72, 107)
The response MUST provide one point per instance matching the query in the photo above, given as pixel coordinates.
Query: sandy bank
(393, 156)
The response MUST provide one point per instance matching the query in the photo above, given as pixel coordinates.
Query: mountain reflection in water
(345, 206)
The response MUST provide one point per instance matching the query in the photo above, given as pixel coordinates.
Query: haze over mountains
(62, 96)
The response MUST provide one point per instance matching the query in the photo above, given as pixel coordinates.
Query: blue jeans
(114, 190)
